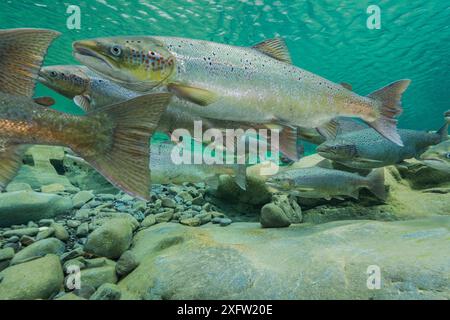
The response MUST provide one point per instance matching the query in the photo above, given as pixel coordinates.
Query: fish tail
(443, 132)
(126, 161)
(390, 107)
(22, 52)
(376, 183)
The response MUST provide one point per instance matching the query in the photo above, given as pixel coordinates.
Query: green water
(327, 37)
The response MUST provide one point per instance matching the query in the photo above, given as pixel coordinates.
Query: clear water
(327, 37)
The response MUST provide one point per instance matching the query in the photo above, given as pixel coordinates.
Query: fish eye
(116, 51)
(53, 74)
(447, 155)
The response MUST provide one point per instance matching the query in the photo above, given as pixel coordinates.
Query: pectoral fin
(10, 163)
(274, 48)
(365, 160)
(195, 95)
(83, 102)
(329, 130)
(347, 86)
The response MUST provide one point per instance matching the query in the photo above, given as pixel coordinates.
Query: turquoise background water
(327, 37)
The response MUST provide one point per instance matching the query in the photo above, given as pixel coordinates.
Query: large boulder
(20, 207)
(38, 279)
(111, 239)
(326, 261)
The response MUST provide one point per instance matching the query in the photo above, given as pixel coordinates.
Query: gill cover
(138, 63)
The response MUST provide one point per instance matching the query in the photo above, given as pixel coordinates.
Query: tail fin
(443, 132)
(10, 163)
(126, 163)
(376, 183)
(240, 176)
(21, 54)
(390, 98)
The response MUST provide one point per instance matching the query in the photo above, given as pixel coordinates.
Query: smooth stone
(18, 186)
(13, 239)
(6, 254)
(39, 249)
(107, 291)
(83, 230)
(204, 217)
(44, 234)
(168, 203)
(186, 196)
(53, 188)
(148, 221)
(26, 240)
(23, 206)
(85, 292)
(60, 232)
(37, 279)
(73, 223)
(140, 205)
(82, 214)
(126, 263)
(111, 239)
(272, 216)
(225, 222)
(165, 216)
(95, 277)
(191, 222)
(82, 198)
(21, 232)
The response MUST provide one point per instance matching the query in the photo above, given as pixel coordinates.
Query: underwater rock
(37, 279)
(21, 232)
(191, 221)
(107, 291)
(53, 188)
(289, 206)
(111, 239)
(45, 233)
(60, 232)
(165, 216)
(44, 166)
(81, 198)
(6, 255)
(39, 249)
(22, 206)
(272, 216)
(126, 263)
(95, 277)
(18, 186)
(69, 296)
(148, 221)
(326, 261)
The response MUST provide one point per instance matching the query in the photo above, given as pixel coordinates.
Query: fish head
(134, 62)
(338, 150)
(438, 156)
(69, 81)
(447, 116)
(281, 182)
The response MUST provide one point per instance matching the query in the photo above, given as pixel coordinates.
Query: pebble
(148, 221)
(83, 230)
(26, 240)
(73, 223)
(44, 234)
(46, 222)
(192, 222)
(82, 198)
(164, 216)
(60, 232)
(168, 203)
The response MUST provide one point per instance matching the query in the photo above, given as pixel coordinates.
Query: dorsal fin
(275, 48)
(21, 55)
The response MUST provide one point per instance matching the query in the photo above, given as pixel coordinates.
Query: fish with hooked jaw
(255, 84)
(114, 139)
